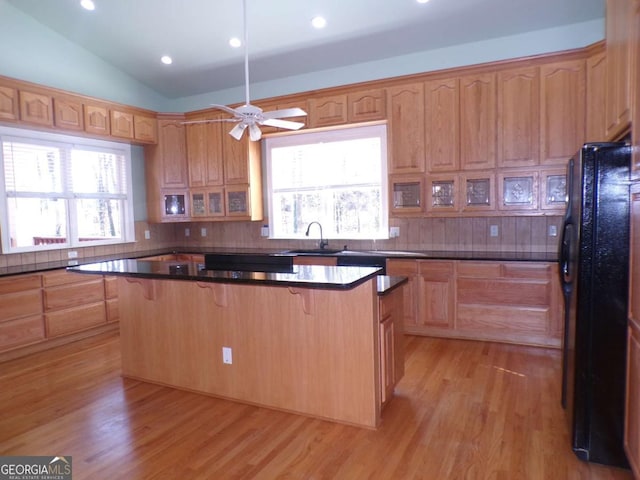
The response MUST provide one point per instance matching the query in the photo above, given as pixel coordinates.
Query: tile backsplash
(514, 234)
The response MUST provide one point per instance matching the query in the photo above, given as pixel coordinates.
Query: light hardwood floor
(464, 410)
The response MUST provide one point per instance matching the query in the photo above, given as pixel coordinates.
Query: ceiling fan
(250, 116)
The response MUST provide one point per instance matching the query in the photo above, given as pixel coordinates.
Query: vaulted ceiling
(132, 35)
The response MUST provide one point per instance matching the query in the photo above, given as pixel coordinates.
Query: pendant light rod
(246, 52)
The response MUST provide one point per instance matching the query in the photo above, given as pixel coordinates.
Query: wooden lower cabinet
(49, 308)
(632, 410)
(391, 342)
(513, 302)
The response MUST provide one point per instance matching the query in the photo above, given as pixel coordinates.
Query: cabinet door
(328, 111)
(145, 128)
(518, 117)
(9, 106)
(173, 154)
(632, 410)
(68, 113)
(596, 98)
(436, 305)
(635, 134)
(97, 120)
(442, 194)
(618, 45)
(366, 106)
(409, 269)
(36, 108)
(406, 194)
(478, 192)
(387, 358)
(478, 121)
(442, 125)
(562, 95)
(406, 128)
(236, 159)
(121, 124)
(518, 190)
(204, 153)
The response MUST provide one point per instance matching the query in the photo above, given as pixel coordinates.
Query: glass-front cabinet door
(207, 203)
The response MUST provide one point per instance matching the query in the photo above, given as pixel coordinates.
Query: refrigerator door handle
(566, 273)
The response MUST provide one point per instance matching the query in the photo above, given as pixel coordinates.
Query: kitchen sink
(314, 251)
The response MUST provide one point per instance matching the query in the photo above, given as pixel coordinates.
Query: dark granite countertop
(308, 276)
(417, 254)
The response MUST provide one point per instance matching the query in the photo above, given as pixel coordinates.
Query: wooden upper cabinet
(68, 113)
(518, 117)
(618, 48)
(406, 128)
(36, 108)
(442, 138)
(9, 105)
(562, 110)
(172, 153)
(635, 134)
(478, 121)
(241, 161)
(366, 106)
(328, 111)
(145, 128)
(97, 120)
(121, 124)
(596, 128)
(204, 153)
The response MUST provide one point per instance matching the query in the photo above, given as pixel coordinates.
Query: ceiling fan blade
(287, 112)
(237, 131)
(254, 132)
(225, 108)
(289, 125)
(212, 120)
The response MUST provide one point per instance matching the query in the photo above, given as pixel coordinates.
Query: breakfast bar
(298, 338)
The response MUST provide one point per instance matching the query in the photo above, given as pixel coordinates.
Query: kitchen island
(305, 340)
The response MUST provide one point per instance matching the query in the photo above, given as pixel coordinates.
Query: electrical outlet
(203, 232)
(147, 234)
(227, 356)
(264, 231)
(553, 231)
(394, 232)
(72, 254)
(187, 232)
(493, 230)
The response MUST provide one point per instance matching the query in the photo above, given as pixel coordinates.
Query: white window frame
(69, 141)
(351, 132)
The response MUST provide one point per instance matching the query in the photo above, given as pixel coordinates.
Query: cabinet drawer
(19, 283)
(311, 260)
(75, 319)
(504, 320)
(22, 331)
(391, 304)
(111, 287)
(62, 277)
(113, 312)
(485, 270)
(20, 304)
(72, 295)
(503, 292)
(526, 270)
(436, 270)
(402, 267)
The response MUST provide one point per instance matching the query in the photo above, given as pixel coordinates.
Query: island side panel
(311, 351)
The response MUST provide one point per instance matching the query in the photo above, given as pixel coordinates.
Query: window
(60, 191)
(335, 177)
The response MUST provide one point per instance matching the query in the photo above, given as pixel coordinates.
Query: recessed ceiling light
(166, 59)
(422, 1)
(318, 22)
(88, 4)
(235, 42)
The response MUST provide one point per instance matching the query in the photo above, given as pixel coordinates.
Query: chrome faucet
(322, 243)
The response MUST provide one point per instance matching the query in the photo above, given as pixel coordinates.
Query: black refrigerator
(594, 271)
